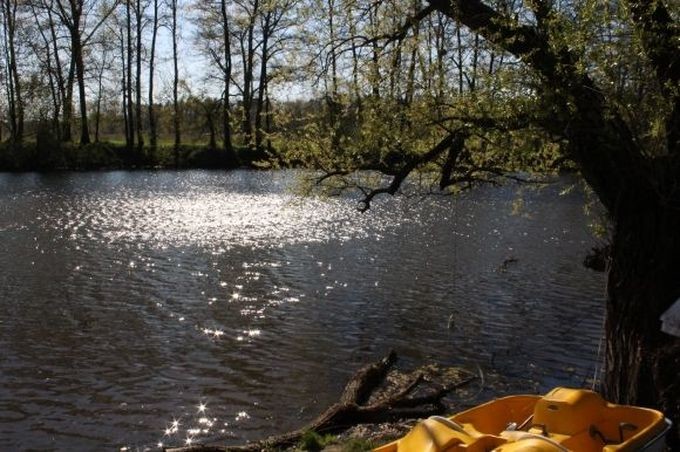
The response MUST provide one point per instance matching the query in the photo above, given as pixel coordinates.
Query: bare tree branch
(404, 172)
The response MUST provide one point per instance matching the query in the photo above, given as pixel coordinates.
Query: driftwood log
(360, 404)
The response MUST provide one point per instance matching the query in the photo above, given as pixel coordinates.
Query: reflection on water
(148, 308)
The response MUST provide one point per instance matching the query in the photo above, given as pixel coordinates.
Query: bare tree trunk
(153, 131)
(210, 120)
(68, 105)
(459, 62)
(226, 104)
(175, 83)
(268, 121)
(130, 139)
(50, 74)
(65, 132)
(355, 66)
(73, 24)
(332, 101)
(138, 80)
(248, 77)
(375, 54)
(334, 63)
(126, 119)
(411, 75)
(472, 81)
(98, 109)
(9, 82)
(395, 70)
(80, 75)
(440, 34)
(263, 79)
(98, 106)
(14, 82)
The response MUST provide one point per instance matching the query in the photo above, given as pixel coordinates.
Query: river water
(139, 308)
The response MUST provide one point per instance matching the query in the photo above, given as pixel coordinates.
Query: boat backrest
(568, 411)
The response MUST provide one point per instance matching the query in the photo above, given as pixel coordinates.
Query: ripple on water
(144, 308)
(217, 218)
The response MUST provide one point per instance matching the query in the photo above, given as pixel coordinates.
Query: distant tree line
(308, 80)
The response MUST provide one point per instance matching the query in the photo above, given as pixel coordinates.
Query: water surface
(139, 308)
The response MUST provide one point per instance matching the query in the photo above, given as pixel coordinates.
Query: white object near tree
(670, 320)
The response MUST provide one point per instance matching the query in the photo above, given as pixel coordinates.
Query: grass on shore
(51, 156)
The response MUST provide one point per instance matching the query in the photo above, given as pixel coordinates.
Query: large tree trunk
(642, 363)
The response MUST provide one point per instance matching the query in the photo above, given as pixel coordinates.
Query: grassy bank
(31, 156)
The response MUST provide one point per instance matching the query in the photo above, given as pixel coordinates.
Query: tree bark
(56, 100)
(71, 18)
(124, 82)
(248, 57)
(98, 105)
(375, 53)
(130, 139)
(80, 76)
(175, 84)
(138, 81)
(65, 87)
(226, 104)
(259, 108)
(643, 281)
(14, 81)
(153, 130)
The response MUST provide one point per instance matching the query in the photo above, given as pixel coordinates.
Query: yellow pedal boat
(562, 420)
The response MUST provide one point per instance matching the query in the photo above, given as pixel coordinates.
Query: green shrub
(313, 441)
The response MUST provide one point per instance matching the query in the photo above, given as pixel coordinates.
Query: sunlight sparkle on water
(206, 421)
(220, 217)
(242, 415)
(216, 334)
(174, 428)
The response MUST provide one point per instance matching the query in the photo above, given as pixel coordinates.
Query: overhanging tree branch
(407, 169)
(599, 139)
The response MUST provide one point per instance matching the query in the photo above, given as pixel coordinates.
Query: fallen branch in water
(361, 404)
